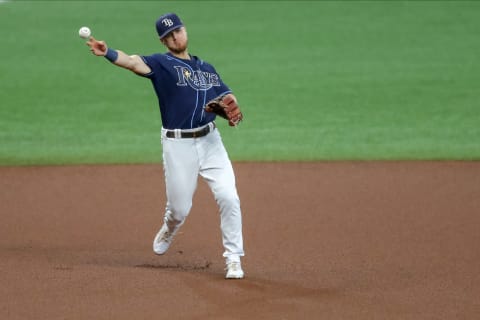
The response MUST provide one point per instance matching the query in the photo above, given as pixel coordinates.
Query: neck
(182, 55)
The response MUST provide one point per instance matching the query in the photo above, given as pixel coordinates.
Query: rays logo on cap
(167, 23)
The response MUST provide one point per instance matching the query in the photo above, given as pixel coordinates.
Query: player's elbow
(131, 63)
(136, 64)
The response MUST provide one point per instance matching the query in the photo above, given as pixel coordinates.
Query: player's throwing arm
(99, 48)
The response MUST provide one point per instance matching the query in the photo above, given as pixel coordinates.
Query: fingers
(91, 40)
(98, 48)
(91, 43)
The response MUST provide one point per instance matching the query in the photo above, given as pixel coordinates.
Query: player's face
(177, 40)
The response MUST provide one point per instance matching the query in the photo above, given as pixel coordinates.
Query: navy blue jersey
(183, 87)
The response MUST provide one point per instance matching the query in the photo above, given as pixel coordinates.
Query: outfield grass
(316, 80)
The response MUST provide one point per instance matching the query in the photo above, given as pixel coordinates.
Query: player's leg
(180, 165)
(217, 170)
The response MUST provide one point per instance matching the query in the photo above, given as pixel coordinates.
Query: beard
(179, 48)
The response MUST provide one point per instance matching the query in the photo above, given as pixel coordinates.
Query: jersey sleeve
(152, 62)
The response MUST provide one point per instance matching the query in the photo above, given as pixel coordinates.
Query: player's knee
(227, 198)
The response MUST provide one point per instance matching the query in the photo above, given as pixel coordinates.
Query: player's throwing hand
(98, 48)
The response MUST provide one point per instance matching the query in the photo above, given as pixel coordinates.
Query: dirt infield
(324, 240)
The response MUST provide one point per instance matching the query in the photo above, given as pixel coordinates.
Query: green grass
(316, 80)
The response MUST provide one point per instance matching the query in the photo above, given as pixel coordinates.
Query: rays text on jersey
(198, 80)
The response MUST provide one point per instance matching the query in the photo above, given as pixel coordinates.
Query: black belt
(192, 134)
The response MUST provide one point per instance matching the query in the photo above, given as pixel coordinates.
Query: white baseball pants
(186, 158)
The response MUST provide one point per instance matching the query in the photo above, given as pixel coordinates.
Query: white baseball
(84, 32)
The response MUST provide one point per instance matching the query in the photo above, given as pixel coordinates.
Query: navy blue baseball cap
(167, 23)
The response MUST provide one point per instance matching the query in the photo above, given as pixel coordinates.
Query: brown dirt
(324, 240)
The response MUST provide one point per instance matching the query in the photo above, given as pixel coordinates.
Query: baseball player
(191, 143)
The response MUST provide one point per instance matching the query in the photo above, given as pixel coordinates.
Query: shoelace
(167, 237)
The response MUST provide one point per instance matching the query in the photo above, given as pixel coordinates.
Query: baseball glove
(225, 107)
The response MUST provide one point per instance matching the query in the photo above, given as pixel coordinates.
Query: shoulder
(155, 57)
(203, 63)
(157, 61)
(200, 61)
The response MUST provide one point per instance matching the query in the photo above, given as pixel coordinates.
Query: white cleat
(163, 239)
(234, 270)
